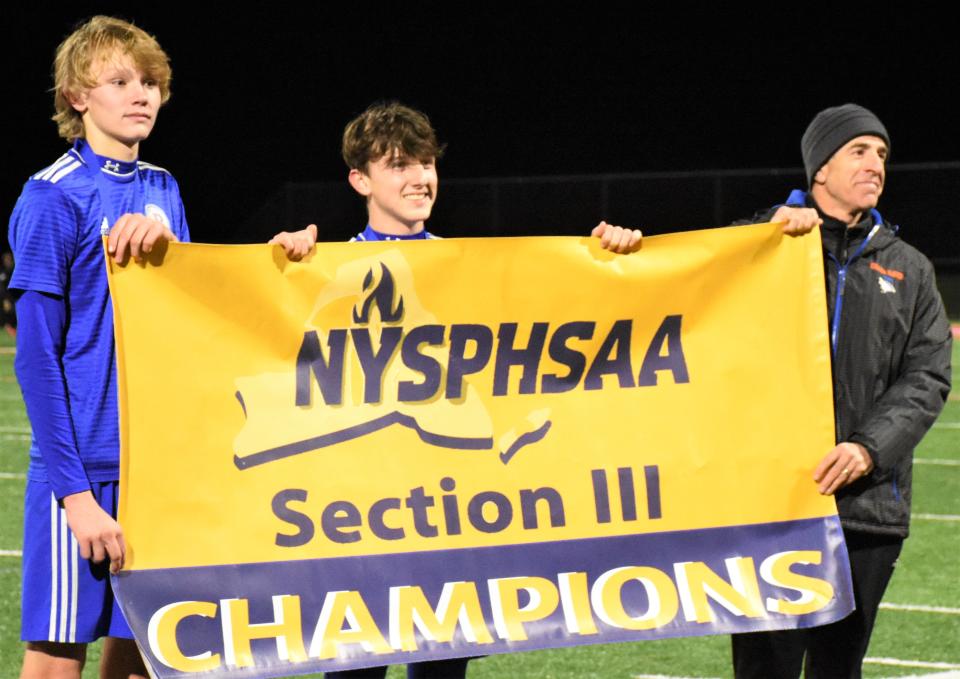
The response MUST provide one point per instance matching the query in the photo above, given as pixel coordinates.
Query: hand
(296, 244)
(98, 534)
(617, 238)
(843, 465)
(137, 235)
(797, 221)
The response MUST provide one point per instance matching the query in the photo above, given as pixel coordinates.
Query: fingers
(153, 234)
(98, 551)
(843, 465)
(283, 239)
(119, 238)
(86, 548)
(116, 550)
(98, 535)
(108, 545)
(297, 244)
(617, 238)
(797, 221)
(136, 235)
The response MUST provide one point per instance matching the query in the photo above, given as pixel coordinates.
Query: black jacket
(891, 360)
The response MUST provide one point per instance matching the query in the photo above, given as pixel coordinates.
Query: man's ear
(820, 177)
(77, 99)
(360, 182)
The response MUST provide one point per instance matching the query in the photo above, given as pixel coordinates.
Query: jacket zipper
(838, 306)
(841, 284)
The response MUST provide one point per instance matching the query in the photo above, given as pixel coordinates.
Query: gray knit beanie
(831, 129)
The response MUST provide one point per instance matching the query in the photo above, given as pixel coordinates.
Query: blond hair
(100, 38)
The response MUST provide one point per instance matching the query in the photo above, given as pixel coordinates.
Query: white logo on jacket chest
(886, 285)
(156, 213)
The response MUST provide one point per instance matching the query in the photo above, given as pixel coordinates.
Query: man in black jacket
(891, 343)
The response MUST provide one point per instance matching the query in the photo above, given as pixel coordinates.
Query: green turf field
(922, 641)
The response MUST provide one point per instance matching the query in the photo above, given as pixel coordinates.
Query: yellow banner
(403, 397)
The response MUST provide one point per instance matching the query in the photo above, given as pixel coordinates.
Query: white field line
(878, 661)
(8, 350)
(936, 461)
(12, 475)
(14, 437)
(11, 552)
(14, 430)
(937, 517)
(946, 425)
(917, 608)
(912, 663)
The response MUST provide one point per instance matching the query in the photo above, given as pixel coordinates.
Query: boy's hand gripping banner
(395, 452)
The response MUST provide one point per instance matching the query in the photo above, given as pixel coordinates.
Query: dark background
(260, 99)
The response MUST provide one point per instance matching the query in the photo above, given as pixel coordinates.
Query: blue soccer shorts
(65, 598)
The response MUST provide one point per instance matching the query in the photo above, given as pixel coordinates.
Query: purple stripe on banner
(629, 588)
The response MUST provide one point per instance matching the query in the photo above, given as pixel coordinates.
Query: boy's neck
(104, 145)
(393, 228)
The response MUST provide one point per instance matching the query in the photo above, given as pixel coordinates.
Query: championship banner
(403, 451)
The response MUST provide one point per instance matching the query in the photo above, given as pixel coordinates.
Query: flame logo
(382, 297)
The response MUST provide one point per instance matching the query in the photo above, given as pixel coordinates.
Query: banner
(401, 451)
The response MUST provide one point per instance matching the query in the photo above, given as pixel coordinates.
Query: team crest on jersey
(156, 213)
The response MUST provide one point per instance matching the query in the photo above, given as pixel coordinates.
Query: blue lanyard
(798, 198)
(841, 282)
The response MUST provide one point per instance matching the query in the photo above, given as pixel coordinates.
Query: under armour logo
(111, 166)
(886, 285)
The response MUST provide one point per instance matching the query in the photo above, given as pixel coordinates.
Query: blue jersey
(368, 234)
(55, 232)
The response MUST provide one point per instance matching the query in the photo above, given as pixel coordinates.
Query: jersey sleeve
(180, 228)
(43, 237)
(41, 328)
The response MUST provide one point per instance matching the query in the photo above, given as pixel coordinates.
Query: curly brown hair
(388, 128)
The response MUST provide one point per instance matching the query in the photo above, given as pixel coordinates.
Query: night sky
(260, 98)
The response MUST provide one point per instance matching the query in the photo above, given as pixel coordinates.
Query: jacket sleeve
(761, 217)
(909, 406)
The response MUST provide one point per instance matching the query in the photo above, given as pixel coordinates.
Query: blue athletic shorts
(65, 598)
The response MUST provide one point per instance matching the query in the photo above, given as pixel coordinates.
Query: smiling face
(851, 182)
(400, 192)
(119, 111)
